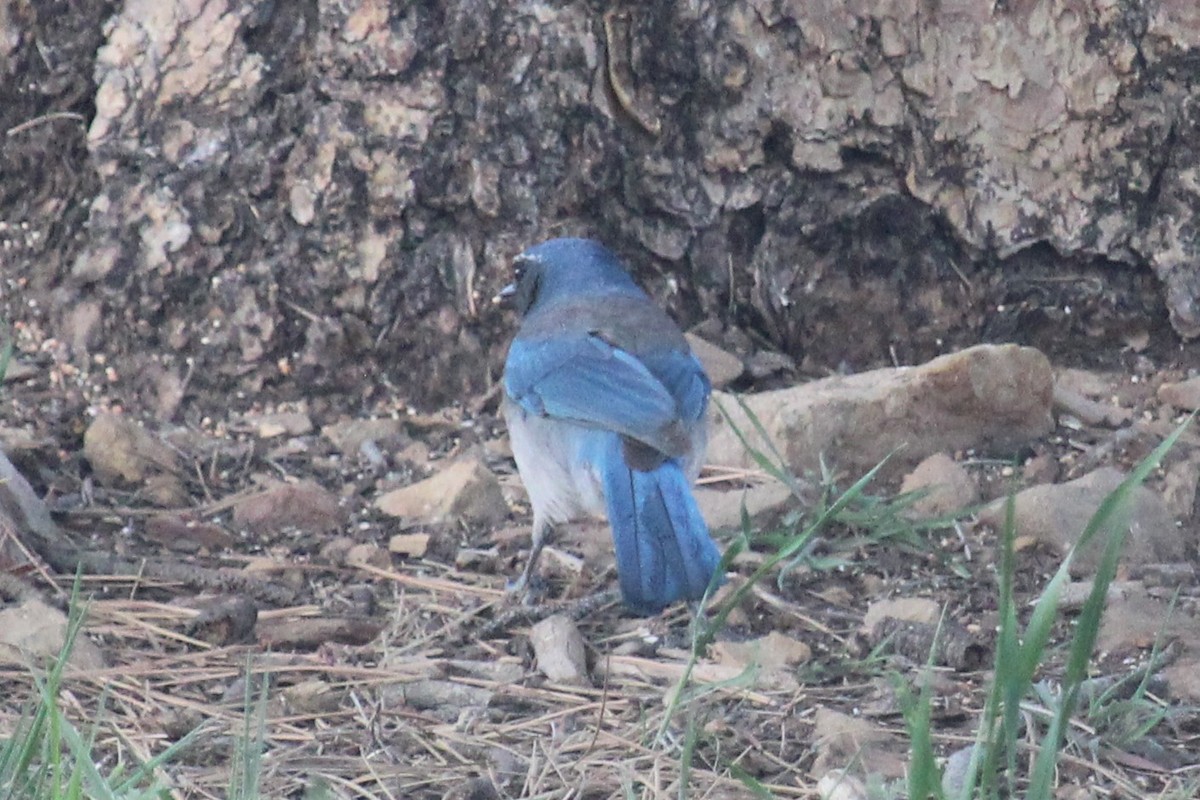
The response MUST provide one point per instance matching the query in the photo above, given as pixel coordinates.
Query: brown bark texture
(323, 194)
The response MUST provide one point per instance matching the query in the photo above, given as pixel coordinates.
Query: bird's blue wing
(584, 379)
(680, 371)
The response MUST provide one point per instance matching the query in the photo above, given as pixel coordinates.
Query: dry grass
(420, 711)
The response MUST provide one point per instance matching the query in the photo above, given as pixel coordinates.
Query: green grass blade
(1112, 518)
(775, 468)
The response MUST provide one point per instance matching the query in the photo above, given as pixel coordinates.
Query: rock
(1179, 487)
(723, 367)
(368, 555)
(841, 739)
(335, 549)
(19, 370)
(1184, 395)
(466, 490)
(560, 651)
(765, 363)
(165, 490)
(185, 535)
(1075, 593)
(1083, 382)
(443, 698)
(773, 656)
(949, 486)
(990, 397)
(19, 440)
(31, 630)
(120, 449)
(302, 505)
(1133, 619)
(1089, 411)
(908, 609)
(312, 697)
(838, 784)
(1057, 514)
(722, 510)
(1041, 468)
(954, 771)
(279, 423)
(1183, 678)
(349, 435)
(412, 545)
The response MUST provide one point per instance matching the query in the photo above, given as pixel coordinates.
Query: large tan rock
(990, 397)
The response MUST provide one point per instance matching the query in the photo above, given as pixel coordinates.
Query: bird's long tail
(664, 551)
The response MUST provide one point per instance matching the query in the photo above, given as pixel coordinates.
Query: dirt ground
(389, 673)
(396, 666)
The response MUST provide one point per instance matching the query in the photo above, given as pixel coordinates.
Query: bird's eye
(520, 266)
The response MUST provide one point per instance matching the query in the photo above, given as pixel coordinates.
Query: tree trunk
(320, 197)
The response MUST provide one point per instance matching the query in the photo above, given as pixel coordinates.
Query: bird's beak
(505, 294)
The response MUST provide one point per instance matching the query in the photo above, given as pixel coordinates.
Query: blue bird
(605, 406)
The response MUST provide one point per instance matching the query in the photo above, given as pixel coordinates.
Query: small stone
(1090, 412)
(765, 363)
(1133, 619)
(120, 449)
(411, 545)
(722, 510)
(165, 490)
(303, 505)
(838, 784)
(187, 535)
(907, 609)
(1183, 395)
(1040, 469)
(1183, 679)
(33, 630)
(560, 651)
(466, 491)
(312, 697)
(281, 423)
(349, 435)
(334, 550)
(368, 555)
(840, 739)
(1179, 487)
(775, 651)
(1056, 515)
(949, 486)
(723, 367)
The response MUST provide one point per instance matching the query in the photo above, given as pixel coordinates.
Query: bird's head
(562, 269)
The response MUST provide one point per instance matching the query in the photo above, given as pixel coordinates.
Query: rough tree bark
(322, 195)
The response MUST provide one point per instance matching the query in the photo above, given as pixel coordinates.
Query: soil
(392, 619)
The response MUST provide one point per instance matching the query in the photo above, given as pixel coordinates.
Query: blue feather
(663, 548)
(585, 380)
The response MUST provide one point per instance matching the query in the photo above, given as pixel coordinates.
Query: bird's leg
(541, 535)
